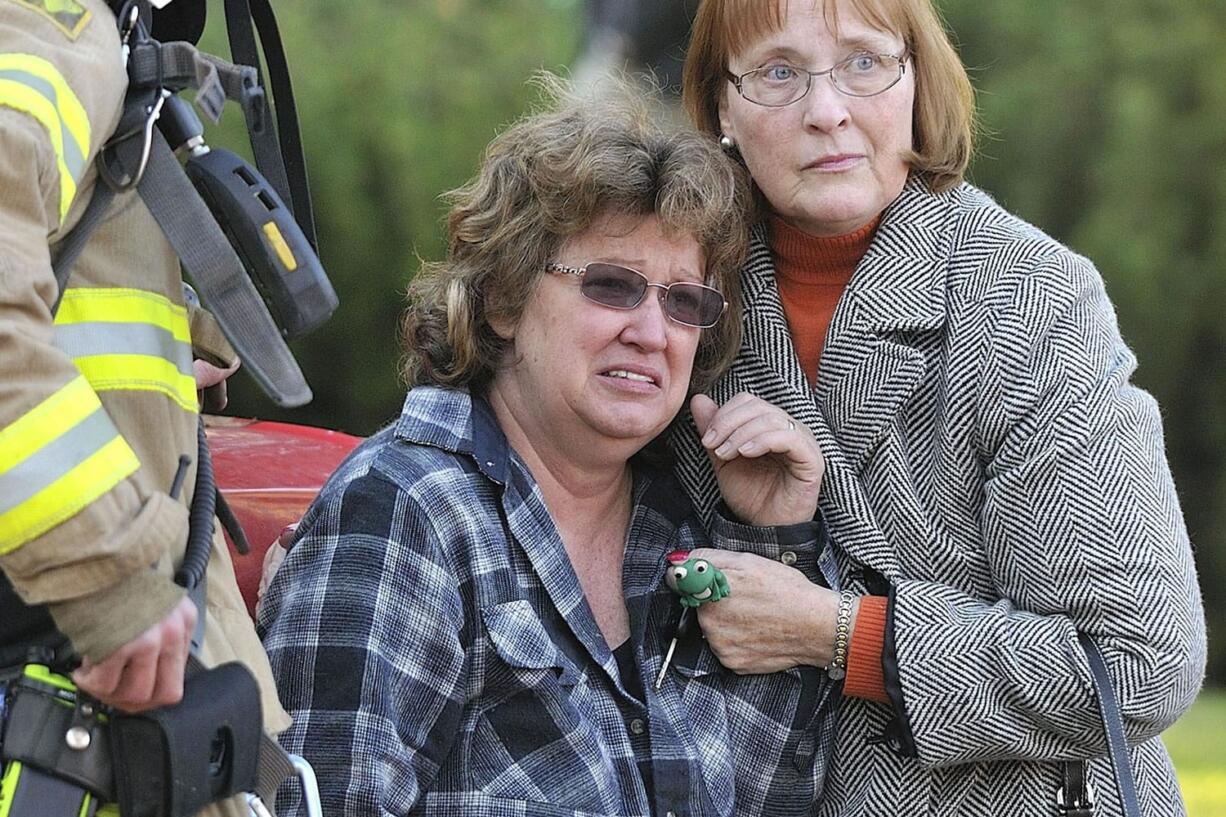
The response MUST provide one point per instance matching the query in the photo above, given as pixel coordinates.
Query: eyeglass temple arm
(565, 269)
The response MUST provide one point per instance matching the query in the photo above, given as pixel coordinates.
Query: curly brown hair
(549, 177)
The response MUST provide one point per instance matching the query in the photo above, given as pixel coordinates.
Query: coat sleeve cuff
(797, 545)
(208, 341)
(900, 727)
(102, 622)
(865, 674)
(99, 547)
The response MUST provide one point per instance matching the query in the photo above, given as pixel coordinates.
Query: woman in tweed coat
(994, 484)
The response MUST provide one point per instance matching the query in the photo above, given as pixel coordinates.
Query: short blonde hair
(944, 118)
(549, 177)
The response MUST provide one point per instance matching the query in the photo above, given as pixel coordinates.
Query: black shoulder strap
(72, 245)
(277, 149)
(1076, 797)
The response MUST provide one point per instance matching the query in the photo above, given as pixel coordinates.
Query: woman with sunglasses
(472, 618)
(994, 485)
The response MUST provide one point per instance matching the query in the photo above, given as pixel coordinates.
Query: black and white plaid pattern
(986, 453)
(431, 640)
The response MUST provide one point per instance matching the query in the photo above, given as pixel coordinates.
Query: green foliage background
(1196, 745)
(1105, 125)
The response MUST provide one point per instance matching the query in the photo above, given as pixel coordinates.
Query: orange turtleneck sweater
(811, 273)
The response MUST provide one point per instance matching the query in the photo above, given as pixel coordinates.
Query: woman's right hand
(769, 466)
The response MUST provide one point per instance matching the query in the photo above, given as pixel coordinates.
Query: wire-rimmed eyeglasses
(620, 287)
(781, 83)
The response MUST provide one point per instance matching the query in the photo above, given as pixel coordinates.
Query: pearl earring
(726, 142)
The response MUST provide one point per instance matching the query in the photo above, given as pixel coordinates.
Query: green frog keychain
(696, 581)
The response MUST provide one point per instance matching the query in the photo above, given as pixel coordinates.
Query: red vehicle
(269, 473)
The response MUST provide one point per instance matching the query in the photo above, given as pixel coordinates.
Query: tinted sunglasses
(624, 288)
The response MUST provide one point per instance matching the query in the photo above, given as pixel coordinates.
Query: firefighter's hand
(211, 383)
(147, 672)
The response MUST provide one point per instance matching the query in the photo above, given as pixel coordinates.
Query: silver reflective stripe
(55, 459)
(101, 338)
(73, 159)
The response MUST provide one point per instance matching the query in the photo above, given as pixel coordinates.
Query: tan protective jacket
(96, 407)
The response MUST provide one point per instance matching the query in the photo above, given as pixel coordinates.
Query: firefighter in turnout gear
(99, 402)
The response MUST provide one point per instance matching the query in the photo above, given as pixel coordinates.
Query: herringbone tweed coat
(987, 454)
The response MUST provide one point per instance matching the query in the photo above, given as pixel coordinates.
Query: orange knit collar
(810, 259)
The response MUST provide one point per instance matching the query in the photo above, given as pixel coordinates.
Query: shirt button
(788, 557)
(637, 727)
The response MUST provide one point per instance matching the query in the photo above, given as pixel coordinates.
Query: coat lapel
(871, 365)
(768, 366)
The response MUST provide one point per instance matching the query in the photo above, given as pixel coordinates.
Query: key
(683, 628)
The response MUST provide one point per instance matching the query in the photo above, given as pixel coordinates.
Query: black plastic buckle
(1080, 806)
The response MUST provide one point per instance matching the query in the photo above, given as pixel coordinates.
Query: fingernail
(709, 437)
(723, 451)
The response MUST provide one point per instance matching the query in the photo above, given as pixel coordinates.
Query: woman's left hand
(769, 467)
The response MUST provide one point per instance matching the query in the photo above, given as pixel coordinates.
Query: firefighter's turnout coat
(97, 404)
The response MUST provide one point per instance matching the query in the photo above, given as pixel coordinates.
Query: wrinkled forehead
(748, 21)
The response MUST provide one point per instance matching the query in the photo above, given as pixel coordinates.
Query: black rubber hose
(200, 520)
(231, 525)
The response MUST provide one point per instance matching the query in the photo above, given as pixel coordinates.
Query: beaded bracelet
(842, 635)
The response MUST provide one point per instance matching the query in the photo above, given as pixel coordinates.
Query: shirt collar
(457, 421)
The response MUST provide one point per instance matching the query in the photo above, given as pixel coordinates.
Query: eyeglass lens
(859, 75)
(624, 288)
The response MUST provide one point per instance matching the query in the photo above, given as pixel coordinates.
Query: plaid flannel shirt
(433, 644)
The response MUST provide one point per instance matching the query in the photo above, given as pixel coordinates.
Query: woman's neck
(575, 477)
(819, 259)
(589, 499)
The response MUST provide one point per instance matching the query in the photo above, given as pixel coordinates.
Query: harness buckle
(1079, 806)
(111, 167)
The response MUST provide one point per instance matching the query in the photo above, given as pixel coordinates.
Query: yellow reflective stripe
(92, 478)
(16, 95)
(34, 86)
(8, 786)
(72, 112)
(131, 356)
(60, 456)
(84, 339)
(46, 422)
(118, 305)
(139, 373)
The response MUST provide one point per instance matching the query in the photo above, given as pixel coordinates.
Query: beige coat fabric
(98, 546)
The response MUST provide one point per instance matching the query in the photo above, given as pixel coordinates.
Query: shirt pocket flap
(521, 640)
